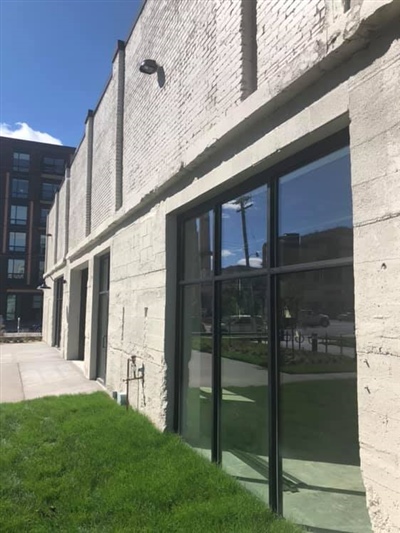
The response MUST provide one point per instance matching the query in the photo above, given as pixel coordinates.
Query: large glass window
(267, 344)
(198, 250)
(197, 348)
(315, 212)
(319, 421)
(48, 191)
(18, 215)
(16, 269)
(19, 188)
(21, 162)
(51, 165)
(244, 232)
(17, 241)
(244, 382)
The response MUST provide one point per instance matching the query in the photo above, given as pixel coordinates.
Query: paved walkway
(32, 370)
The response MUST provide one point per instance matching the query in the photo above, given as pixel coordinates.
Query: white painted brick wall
(78, 196)
(62, 198)
(137, 311)
(104, 155)
(197, 45)
(50, 243)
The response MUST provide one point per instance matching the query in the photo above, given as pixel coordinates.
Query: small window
(52, 165)
(48, 191)
(17, 241)
(18, 215)
(11, 306)
(42, 244)
(43, 216)
(21, 162)
(16, 269)
(19, 188)
(37, 301)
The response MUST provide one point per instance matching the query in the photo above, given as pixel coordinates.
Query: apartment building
(30, 175)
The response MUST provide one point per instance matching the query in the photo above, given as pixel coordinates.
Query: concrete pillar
(89, 166)
(119, 65)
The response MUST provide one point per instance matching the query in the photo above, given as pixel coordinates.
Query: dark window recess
(48, 191)
(21, 162)
(11, 307)
(51, 165)
(37, 301)
(17, 241)
(16, 269)
(42, 244)
(18, 215)
(19, 188)
(41, 269)
(43, 216)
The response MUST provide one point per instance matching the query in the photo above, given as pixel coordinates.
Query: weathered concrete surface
(33, 370)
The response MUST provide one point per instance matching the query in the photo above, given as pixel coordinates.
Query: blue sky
(55, 58)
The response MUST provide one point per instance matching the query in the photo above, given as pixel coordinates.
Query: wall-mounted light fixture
(148, 66)
(43, 286)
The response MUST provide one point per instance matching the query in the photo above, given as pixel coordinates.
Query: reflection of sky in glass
(317, 197)
(313, 198)
(255, 204)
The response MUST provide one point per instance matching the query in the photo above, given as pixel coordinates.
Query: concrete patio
(34, 369)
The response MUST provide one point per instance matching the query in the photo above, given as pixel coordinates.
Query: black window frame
(12, 274)
(17, 166)
(15, 221)
(16, 194)
(48, 196)
(271, 271)
(12, 247)
(53, 165)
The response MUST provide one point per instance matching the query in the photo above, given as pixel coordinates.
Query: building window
(48, 191)
(37, 301)
(41, 269)
(42, 244)
(19, 188)
(16, 269)
(11, 307)
(52, 165)
(17, 241)
(267, 278)
(21, 162)
(18, 215)
(43, 216)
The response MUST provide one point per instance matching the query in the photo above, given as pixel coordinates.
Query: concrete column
(67, 203)
(375, 162)
(248, 30)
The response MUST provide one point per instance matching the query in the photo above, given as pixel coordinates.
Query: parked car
(244, 325)
(346, 317)
(308, 318)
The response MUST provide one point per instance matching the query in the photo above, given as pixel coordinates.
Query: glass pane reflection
(244, 232)
(244, 411)
(196, 402)
(198, 248)
(322, 484)
(315, 211)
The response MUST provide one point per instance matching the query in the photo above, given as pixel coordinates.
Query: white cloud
(226, 253)
(23, 131)
(230, 205)
(254, 262)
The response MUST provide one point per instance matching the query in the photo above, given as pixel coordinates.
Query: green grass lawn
(82, 463)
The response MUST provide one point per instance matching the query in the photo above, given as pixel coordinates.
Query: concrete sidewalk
(32, 370)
